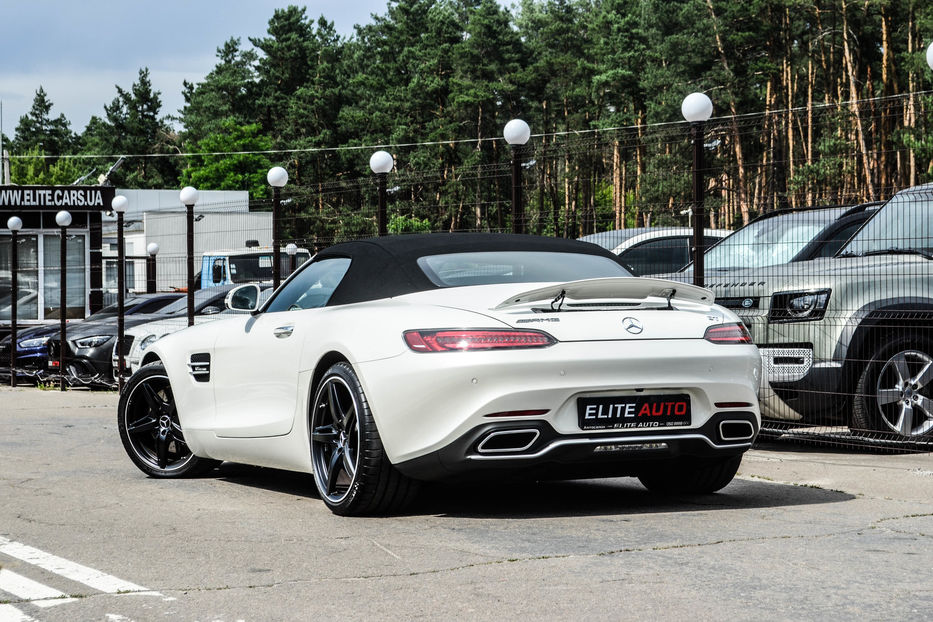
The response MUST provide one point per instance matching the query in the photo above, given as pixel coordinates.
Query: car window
(133, 305)
(213, 296)
(151, 306)
(485, 268)
(312, 287)
(904, 223)
(769, 241)
(658, 255)
(831, 246)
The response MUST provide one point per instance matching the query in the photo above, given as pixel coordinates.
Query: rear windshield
(485, 268)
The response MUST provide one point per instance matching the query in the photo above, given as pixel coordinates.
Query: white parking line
(27, 589)
(9, 613)
(70, 570)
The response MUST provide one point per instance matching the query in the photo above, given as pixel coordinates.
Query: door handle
(283, 332)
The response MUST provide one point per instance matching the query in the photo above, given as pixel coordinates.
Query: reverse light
(465, 340)
(728, 333)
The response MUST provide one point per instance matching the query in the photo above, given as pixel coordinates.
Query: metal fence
(841, 310)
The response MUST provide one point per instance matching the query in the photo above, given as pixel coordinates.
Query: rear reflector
(475, 339)
(728, 333)
(518, 413)
(733, 405)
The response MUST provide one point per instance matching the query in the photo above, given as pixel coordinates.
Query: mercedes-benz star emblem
(632, 325)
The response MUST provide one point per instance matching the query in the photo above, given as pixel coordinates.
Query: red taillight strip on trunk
(464, 340)
(728, 333)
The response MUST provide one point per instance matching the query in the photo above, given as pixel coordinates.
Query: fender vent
(200, 367)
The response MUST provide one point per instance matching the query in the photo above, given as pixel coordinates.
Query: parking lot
(803, 532)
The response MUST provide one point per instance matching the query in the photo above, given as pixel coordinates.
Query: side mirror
(243, 298)
(217, 274)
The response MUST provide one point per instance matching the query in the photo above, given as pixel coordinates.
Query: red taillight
(475, 339)
(728, 333)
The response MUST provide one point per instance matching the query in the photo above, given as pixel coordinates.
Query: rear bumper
(424, 403)
(537, 450)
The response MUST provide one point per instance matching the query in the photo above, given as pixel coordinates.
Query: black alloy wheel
(895, 391)
(149, 427)
(351, 471)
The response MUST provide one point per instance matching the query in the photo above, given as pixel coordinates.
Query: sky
(78, 50)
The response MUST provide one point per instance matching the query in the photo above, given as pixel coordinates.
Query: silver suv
(849, 339)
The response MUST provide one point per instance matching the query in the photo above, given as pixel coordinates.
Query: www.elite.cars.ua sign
(82, 198)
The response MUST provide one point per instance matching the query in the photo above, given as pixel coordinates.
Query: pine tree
(38, 130)
(228, 92)
(132, 127)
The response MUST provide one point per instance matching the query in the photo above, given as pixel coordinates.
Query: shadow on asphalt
(549, 499)
(842, 443)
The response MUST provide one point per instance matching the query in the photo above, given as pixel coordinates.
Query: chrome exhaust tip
(507, 441)
(733, 430)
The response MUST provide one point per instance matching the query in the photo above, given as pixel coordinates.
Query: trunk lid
(625, 308)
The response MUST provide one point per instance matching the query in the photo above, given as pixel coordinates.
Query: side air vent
(200, 366)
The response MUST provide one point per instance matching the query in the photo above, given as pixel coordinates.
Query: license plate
(633, 411)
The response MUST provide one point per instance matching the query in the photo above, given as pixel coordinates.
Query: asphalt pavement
(802, 533)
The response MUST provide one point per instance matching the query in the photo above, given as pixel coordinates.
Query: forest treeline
(815, 102)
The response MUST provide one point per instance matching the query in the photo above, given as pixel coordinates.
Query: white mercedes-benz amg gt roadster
(385, 362)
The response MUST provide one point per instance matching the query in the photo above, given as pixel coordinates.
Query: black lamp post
(152, 249)
(14, 224)
(63, 220)
(381, 162)
(517, 133)
(119, 207)
(188, 197)
(697, 109)
(277, 178)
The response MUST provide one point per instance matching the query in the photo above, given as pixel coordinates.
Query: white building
(222, 220)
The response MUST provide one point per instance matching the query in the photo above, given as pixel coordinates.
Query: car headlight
(798, 306)
(92, 342)
(35, 342)
(148, 341)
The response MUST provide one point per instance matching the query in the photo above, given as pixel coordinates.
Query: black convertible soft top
(386, 267)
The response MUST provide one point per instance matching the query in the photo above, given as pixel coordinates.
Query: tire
(149, 427)
(351, 471)
(895, 390)
(692, 476)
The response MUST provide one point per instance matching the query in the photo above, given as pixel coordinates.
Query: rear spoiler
(628, 288)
